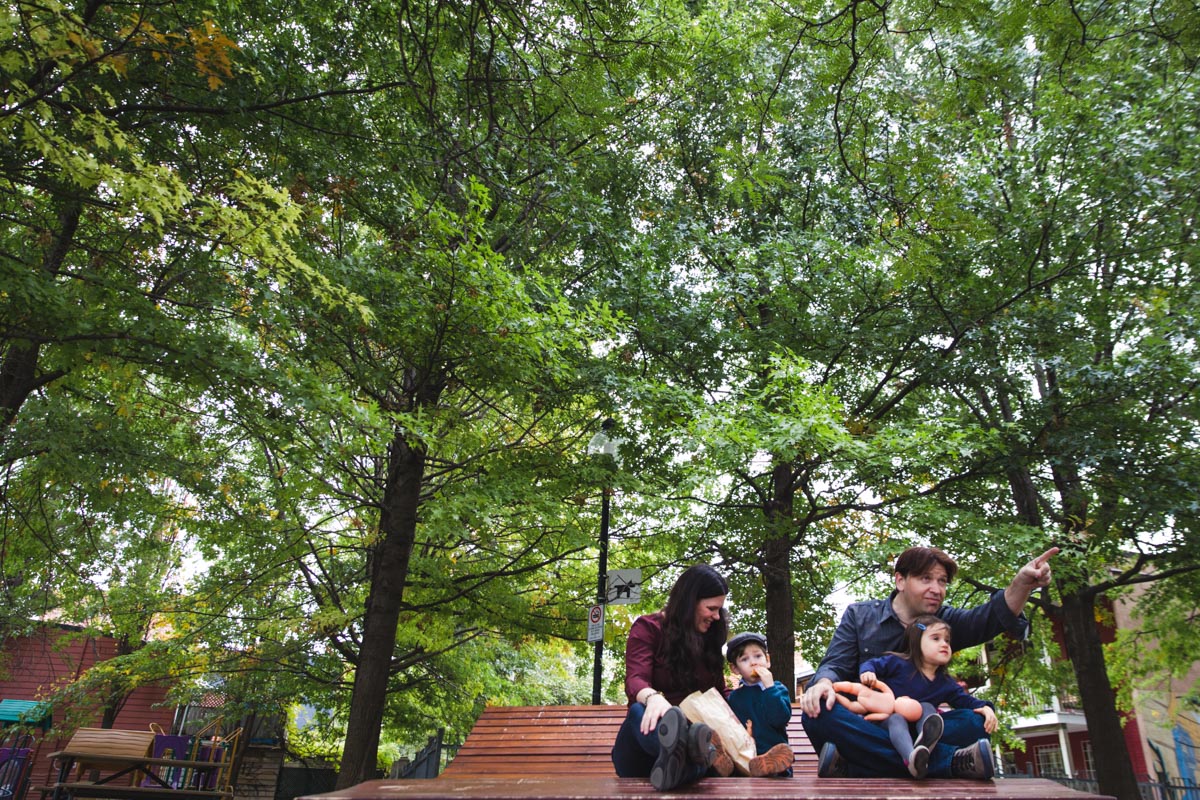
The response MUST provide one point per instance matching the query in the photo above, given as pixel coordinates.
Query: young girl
(920, 673)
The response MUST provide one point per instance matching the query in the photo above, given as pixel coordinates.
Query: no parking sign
(596, 623)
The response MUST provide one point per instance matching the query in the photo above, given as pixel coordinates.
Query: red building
(32, 667)
(1159, 733)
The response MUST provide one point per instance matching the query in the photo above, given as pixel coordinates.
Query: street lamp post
(601, 596)
(601, 444)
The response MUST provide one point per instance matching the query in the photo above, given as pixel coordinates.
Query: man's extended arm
(1004, 611)
(1033, 575)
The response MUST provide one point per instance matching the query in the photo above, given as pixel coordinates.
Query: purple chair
(210, 752)
(170, 746)
(14, 766)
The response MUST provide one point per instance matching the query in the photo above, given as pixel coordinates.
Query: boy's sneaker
(700, 744)
(930, 732)
(830, 764)
(722, 763)
(974, 762)
(918, 761)
(772, 762)
(671, 766)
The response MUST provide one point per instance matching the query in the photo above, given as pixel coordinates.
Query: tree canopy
(307, 314)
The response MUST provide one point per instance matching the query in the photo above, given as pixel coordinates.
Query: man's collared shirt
(871, 628)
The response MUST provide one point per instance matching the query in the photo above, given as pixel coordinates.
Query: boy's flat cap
(735, 644)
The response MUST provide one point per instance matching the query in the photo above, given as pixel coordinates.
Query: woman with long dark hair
(670, 654)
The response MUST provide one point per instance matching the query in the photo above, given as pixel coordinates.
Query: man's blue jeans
(634, 752)
(868, 751)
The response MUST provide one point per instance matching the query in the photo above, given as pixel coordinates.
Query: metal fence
(427, 763)
(1174, 789)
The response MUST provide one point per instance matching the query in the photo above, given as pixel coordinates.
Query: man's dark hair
(919, 560)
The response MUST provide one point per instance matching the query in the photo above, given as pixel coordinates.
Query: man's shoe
(672, 763)
(722, 762)
(974, 762)
(830, 764)
(930, 732)
(772, 762)
(918, 761)
(700, 744)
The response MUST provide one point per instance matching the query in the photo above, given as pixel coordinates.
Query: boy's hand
(867, 679)
(989, 718)
(764, 677)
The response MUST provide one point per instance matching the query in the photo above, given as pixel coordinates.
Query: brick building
(1161, 732)
(33, 666)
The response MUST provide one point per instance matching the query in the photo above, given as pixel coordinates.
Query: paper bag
(711, 709)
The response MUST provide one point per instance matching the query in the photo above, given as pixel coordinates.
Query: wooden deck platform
(562, 753)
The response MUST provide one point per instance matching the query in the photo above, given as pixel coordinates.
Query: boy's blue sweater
(769, 710)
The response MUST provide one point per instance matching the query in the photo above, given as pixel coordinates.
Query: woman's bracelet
(651, 694)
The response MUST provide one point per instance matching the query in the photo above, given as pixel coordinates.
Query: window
(1089, 761)
(1048, 758)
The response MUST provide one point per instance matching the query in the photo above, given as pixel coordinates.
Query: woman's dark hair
(919, 560)
(910, 646)
(683, 646)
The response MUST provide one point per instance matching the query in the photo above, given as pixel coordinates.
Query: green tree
(1082, 205)
(1048, 175)
(424, 493)
(965, 229)
(803, 351)
(134, 238)
(129, 241)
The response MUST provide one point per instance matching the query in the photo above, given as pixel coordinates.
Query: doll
(876, 702)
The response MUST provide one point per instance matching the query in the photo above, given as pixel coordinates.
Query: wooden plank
(138, 761)
(98, 742)
(112, 742)
(563, 753)
(519, 741)
(88, 789)
(807, 788)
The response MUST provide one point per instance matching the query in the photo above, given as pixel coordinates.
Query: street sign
(595, 624)
(624, 586)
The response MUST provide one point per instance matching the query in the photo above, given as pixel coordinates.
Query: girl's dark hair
(910, 647)
(683, 646)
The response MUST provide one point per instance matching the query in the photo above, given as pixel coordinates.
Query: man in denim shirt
(849, 745)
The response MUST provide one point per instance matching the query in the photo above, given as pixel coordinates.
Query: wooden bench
(121, 792)
(120, 755)
(562, 753)
(118, 744)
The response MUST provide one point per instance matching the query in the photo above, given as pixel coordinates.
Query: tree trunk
(1114, 769)
(115, 699)
(19, 358)
(389, 572)
(776, 570)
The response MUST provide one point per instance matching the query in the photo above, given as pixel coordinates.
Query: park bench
(562, 753)
(124, 757)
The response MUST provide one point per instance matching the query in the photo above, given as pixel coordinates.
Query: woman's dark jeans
(634, 752)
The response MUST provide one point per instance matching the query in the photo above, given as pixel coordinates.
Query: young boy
(761, 704)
